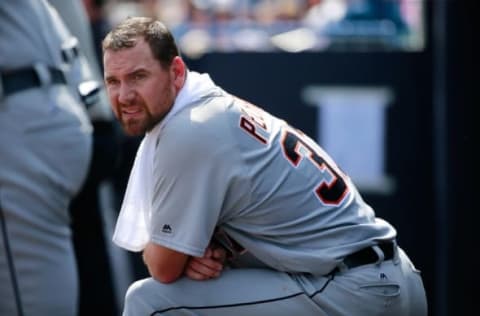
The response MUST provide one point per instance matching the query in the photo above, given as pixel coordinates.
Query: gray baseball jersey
(45, 148)
(222, 162)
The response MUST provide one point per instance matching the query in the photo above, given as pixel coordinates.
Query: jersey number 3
(295, 145)
(333, 188)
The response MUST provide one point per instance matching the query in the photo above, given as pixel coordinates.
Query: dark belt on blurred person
(13, 81)
(369, 255)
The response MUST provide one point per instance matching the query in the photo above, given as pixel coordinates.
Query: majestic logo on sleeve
(166, 229)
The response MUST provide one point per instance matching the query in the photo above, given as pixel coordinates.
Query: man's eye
(112, 82)
(138, 76)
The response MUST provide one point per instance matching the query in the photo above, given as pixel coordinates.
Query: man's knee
(136, 299)
(146, 296)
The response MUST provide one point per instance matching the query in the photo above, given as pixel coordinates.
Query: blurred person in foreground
(45, 152)
(236, 211)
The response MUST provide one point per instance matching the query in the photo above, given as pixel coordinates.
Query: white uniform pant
(393, 288)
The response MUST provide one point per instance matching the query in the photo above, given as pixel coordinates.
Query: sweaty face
(141, 91)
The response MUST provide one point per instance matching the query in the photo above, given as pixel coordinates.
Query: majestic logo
(167, 229)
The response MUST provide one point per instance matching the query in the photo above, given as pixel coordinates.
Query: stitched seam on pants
(228, 305)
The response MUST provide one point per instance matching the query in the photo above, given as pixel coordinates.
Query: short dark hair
(155, 33)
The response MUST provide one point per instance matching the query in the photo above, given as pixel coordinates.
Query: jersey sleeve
(191, 180)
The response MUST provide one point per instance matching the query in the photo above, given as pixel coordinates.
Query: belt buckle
(43, 74)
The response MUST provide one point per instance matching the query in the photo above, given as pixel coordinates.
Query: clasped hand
(207, 267)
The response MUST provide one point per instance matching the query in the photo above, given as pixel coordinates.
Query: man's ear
(178, 69)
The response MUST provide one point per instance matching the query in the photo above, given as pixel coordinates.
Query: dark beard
(152, 122)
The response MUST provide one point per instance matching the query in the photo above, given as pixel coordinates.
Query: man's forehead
(140, 46)
(128, 59)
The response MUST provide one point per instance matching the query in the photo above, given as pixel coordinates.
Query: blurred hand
(207, 267)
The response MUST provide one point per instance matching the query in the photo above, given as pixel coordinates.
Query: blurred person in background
(94, 204)
(99, 25)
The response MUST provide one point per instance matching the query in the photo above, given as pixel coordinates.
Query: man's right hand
(207, 267)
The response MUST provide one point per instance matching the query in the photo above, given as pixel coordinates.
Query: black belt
(369, 256)
(27, 78)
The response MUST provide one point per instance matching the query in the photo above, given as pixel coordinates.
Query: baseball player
(216, 172)
(45, 149)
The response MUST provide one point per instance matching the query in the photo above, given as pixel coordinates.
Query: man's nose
(126, 94)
